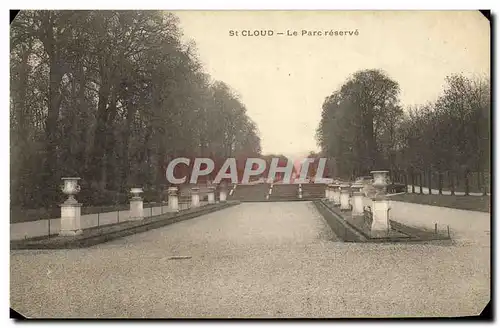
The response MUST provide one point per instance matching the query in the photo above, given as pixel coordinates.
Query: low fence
(412, 189)
(448, 182)
(121, 213)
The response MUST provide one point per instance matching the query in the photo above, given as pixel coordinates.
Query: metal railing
(91, 217)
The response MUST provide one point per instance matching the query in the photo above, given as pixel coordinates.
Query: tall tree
(112, 96)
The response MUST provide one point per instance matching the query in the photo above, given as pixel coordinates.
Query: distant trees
(282, 163)
(364, 127)
(450, 139)
(358, 123)
(112, 96)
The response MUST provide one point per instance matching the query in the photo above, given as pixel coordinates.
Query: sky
(283, 80)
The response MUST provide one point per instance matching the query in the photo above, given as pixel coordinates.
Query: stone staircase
(313, 190)
(250, 193)
(280, 192)
(185, 192)
(285, 192)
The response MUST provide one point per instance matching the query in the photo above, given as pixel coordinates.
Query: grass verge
(471, 203)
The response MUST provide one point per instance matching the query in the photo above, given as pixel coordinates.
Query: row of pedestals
(173, 198)
(71, 208)
(340, 195)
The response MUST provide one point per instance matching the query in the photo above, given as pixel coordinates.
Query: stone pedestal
(327, 192)
(195, 197)
(380, 224)
(357, 203)
(70, 209)
(357, 200)
(330, 192)
(136, 208)
(211, 195)
(223, 194)
(70, 219)
(380, 205)
(344, 198)
(136, 205)
(173, 199)
(336, 194)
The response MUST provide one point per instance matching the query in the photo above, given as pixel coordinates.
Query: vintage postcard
(250, 164)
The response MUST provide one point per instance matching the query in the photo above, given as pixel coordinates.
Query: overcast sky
(283, 81)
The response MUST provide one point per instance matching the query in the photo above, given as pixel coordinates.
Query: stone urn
(70, 188)
(380, 181)
(357, 187)
(136, 193)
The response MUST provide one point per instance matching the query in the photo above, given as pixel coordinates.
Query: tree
(112, 96)
(358, 123)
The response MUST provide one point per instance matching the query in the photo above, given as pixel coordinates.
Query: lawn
(472, 203)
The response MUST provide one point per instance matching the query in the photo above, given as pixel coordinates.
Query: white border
(262, 4)
(179, 5)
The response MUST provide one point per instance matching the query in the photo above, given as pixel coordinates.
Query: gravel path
(253, 260)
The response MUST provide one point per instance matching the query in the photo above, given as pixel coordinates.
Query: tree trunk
(466, 176)
(440, 182)
(405, 177)
(20, 100)
(98, 154)
(20, 178)
(478, 176)
(83, 156)
(51, 128)
(125, 166)
(429, 177)
(451, 179)
(412, 181)
(483, 181)
(72, 136)
(109, 146)
(54, 100)
(421, 180)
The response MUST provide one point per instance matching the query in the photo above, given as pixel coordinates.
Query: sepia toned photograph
(250, 164)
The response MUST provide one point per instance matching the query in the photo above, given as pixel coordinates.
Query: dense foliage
(111, 96)
(364, 127)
